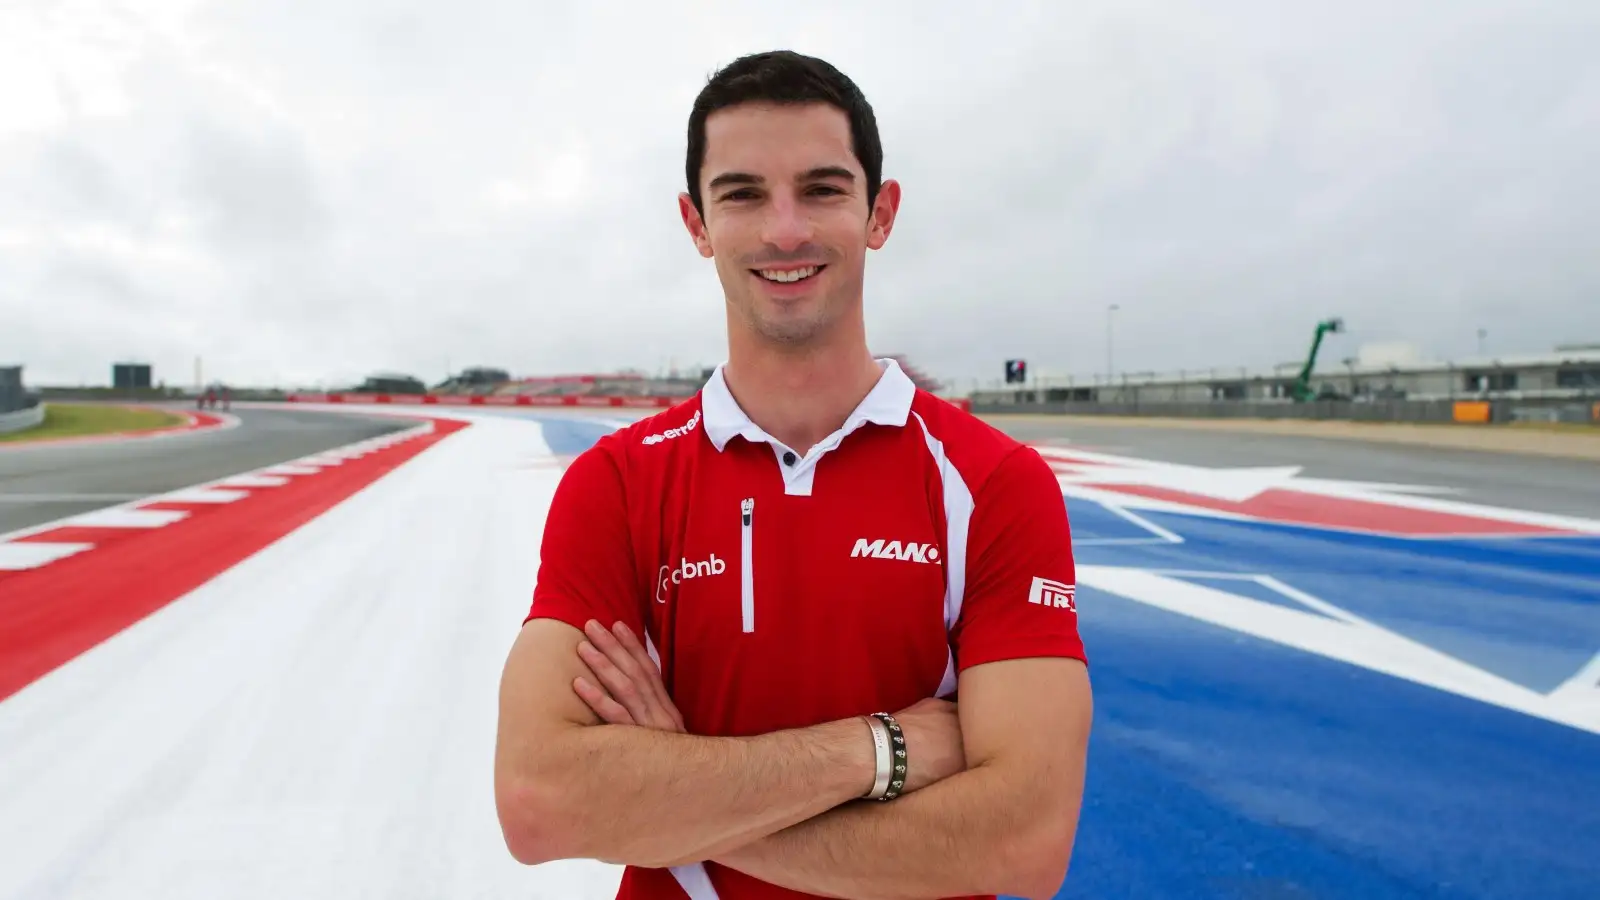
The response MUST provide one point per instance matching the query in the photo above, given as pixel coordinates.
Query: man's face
(786, 217)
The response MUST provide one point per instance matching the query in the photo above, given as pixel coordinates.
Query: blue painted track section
(1224, 765)
(569, 437)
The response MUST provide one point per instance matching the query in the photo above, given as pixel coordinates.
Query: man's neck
(801, 398)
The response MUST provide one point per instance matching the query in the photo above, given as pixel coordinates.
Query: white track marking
(19, 555)
(1100, 473)
(200, 495)
(289, 469)
(1162, 533)
(1344, 636)
(253, 481)
(126, 518)
(1581, 692)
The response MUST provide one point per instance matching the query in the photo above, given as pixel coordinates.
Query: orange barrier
(583, 400)
(1476, 411)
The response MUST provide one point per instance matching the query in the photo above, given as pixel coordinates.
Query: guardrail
(544, 400)
(1412, 411)
(22, 419)
(523, 400)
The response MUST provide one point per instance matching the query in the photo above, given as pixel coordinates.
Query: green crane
(1300, 390)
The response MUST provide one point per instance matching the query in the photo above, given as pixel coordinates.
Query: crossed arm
(1004, 825)
(778, 806)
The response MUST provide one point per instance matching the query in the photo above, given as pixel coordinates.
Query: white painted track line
(19, 555)
(126, 518)
(200, 495)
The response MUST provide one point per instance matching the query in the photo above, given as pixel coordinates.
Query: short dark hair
(783, 76)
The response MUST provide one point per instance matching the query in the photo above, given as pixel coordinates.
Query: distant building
(482, 375)
(391, 383)
(130, 376)
(12, 395)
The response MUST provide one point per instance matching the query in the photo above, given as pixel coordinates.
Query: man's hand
(630, 691)
(934, 750)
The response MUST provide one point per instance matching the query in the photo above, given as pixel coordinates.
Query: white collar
(888, 403)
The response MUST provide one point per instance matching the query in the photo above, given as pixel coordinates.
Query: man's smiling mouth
(789, 276)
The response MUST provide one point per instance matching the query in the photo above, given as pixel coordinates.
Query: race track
(1321, 670)
(1520, 482)
(45, 482)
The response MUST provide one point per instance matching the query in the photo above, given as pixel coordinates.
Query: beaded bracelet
(891, 758)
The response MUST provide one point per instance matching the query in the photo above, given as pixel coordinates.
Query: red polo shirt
(778, 589)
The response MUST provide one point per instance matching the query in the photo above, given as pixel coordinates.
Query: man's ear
(695, 224)
(880, 219)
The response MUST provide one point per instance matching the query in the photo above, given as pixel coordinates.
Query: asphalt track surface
(1543, 484)
(44, 483)
(1225, 761)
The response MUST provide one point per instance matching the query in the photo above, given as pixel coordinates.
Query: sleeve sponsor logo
(1045, 592)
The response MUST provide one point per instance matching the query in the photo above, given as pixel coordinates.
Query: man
(728, 591)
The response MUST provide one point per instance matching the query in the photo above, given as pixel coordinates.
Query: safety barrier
(1378, 411)
(1468, 412)
(31, 417)
(533, 400)
(585, 400)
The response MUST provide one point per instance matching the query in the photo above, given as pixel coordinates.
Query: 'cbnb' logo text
(685, 570)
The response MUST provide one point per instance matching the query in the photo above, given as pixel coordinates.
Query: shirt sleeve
(1020, 598)
(586, 567)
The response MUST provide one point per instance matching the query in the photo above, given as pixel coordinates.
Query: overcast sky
(312, 191)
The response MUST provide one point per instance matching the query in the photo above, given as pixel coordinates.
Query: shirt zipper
(747, 580)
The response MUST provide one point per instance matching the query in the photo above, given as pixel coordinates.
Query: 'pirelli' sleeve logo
(1045, 592)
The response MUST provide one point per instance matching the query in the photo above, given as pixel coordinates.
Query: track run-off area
(278, 677)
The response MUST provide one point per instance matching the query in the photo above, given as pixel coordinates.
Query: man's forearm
(626, 794)
(968, 834)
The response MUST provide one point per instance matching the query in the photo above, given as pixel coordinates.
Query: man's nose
(788, 224)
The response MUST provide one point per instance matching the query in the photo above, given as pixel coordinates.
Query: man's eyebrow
(728, 179)
(828, 172)
(731, 178)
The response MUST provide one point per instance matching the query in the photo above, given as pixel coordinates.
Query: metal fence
(1417, 411)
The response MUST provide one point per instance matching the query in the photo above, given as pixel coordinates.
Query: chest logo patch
(909, 551)
(685, 570)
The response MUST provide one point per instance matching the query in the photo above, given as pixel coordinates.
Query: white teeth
(788, 274)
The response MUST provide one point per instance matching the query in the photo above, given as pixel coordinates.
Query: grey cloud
(383, 186)
(252, 193)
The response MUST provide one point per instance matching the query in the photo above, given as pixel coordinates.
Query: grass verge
(63, 420)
